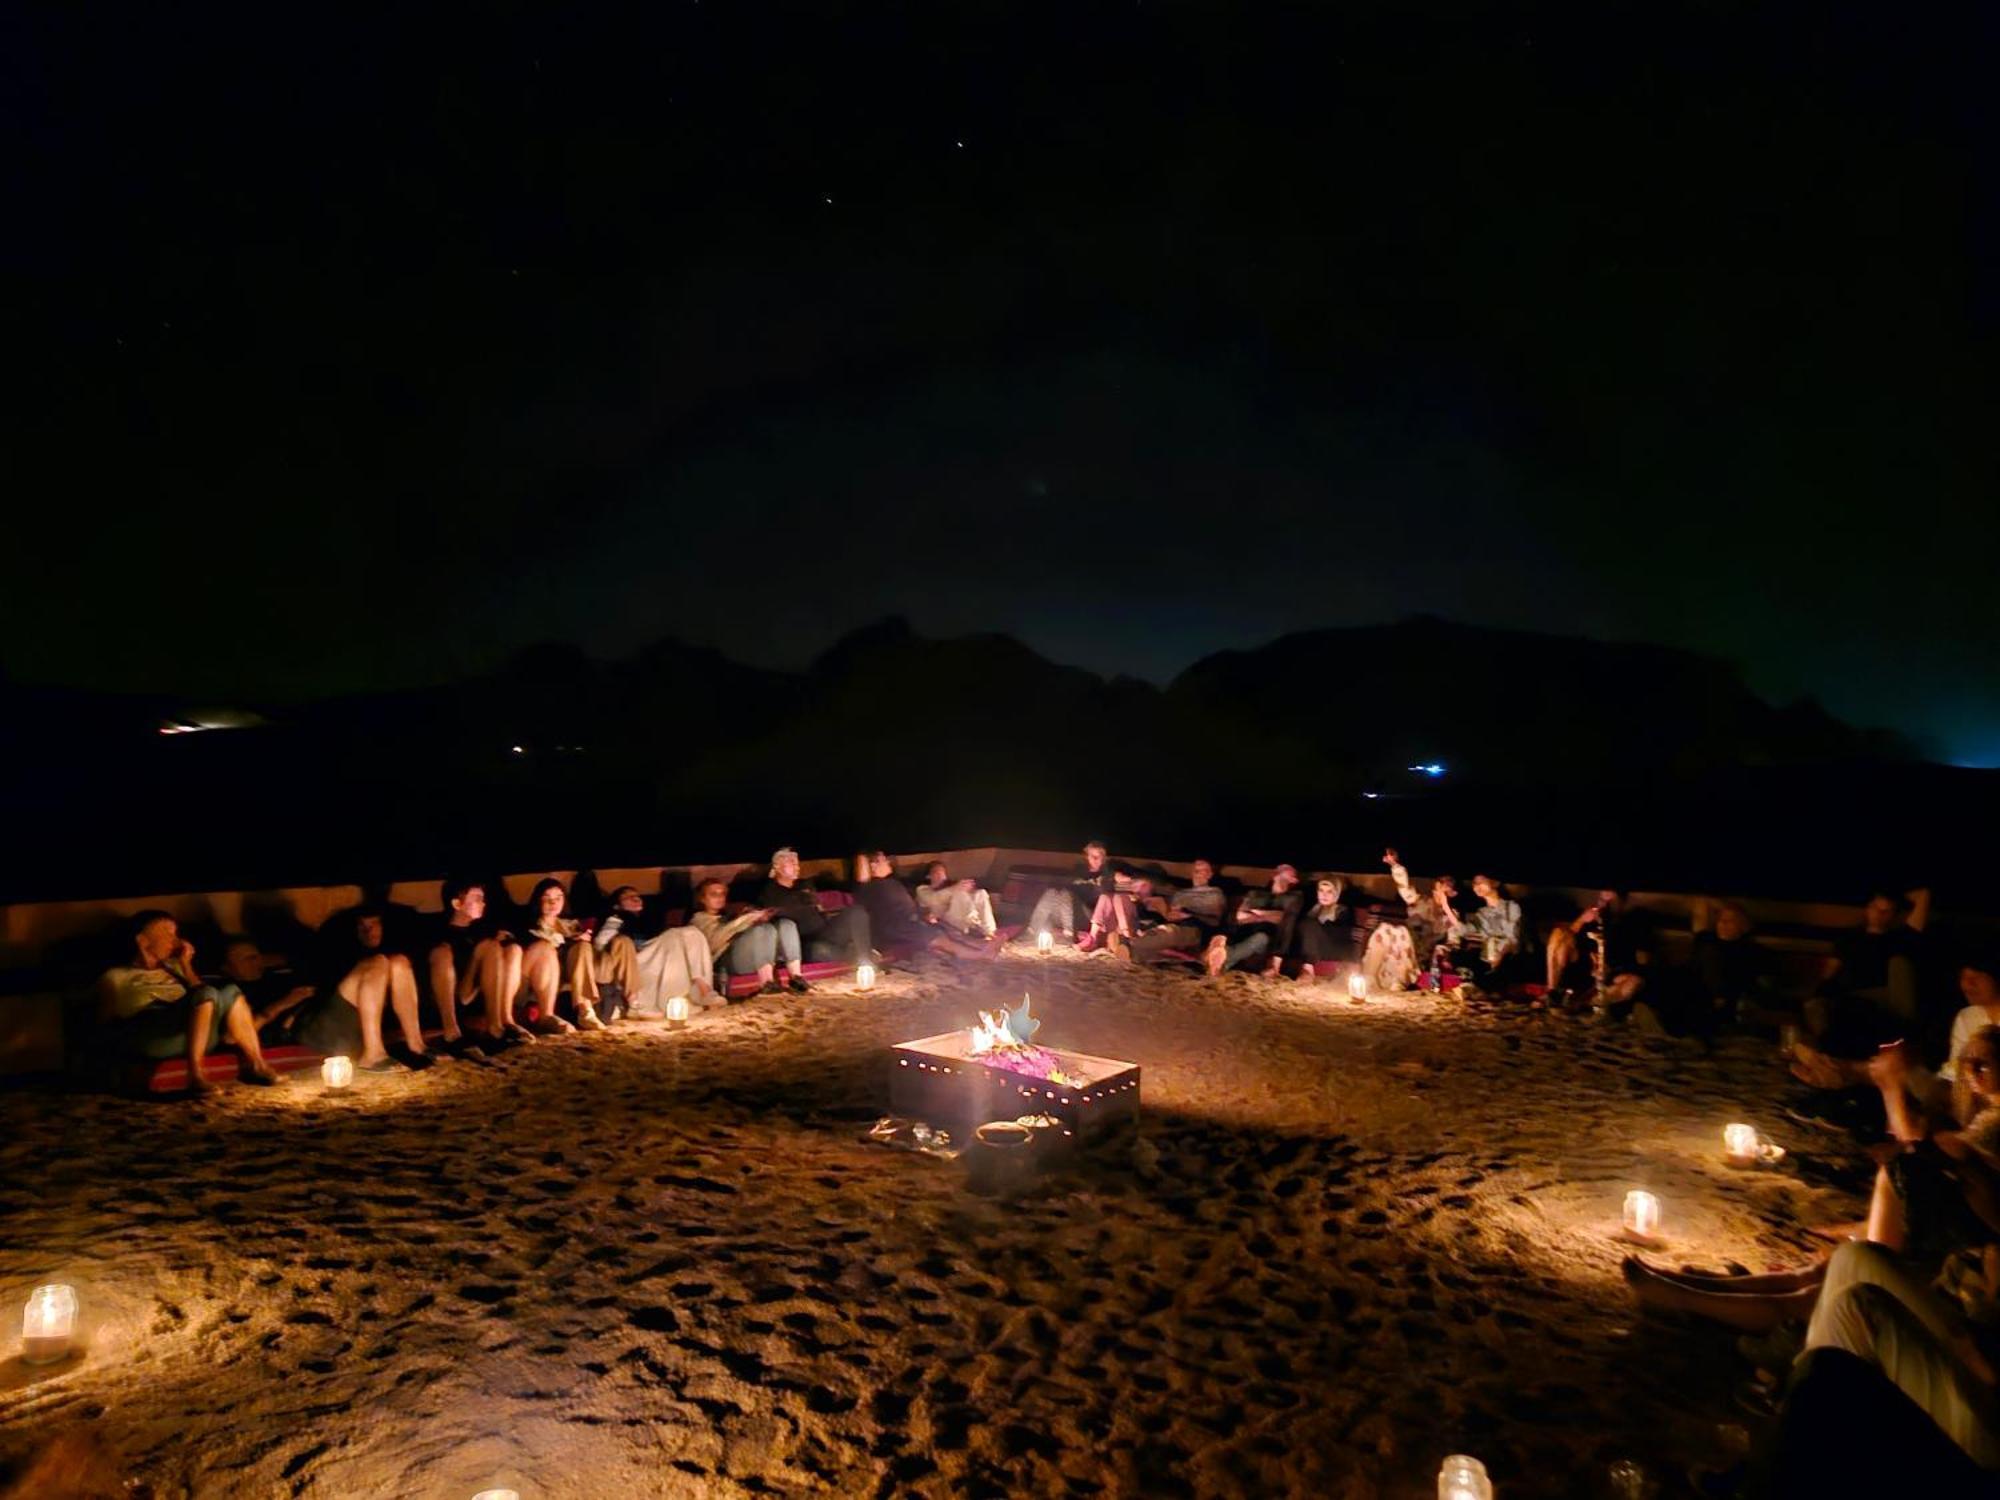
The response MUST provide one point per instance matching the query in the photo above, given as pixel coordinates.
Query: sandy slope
(1350, 1240)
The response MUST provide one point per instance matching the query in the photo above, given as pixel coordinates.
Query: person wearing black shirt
(1869, 993)
(1613, 931)
(1263, 927)
(1096, 896)
(843, 936)
(1325, 931)
(895, 920)
(473, 962)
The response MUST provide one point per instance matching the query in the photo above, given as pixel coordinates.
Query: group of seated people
(482, 985)
(1277, 929)
(1885, 1354)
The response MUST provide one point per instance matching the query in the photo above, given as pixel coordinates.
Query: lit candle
(1357, 985)
(1642, 1213)
(1045, 941)
(864, 977)
(678, 1010)
(1463, 1478)
(48, 1324)
(498, 1495)
(1739, 1143)
(337, 1072)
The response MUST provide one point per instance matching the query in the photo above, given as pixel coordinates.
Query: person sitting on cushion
(1190, 917)
(749, 943)
(959, 905)
(1263, 927)
(157, 1005)
(341, 1017)
(1098, 894)
(1325, 932)
(894, 918)
(842, 936)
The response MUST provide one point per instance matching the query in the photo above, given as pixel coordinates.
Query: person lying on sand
(1186, 920)
(157, 1006)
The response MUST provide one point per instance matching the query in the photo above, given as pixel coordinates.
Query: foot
(1307, 974)
(1119, 947)
(796, 985)
(415, 1061)
(463, 1045)
(263, 1078)
(382, 1064)
(1216, 957)
(588, 1020)
(1087, 943)
(770, 987)
(198, 1087)
(517, 1035)
(553, 1025)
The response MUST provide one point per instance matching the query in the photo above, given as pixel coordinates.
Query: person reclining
(473, 962)
(341, 1014)
(1263, 927)
(1919, 1298)
(1189, 918)
(842, 936)
(650, 961)
(1097, 894)
(894, 919)
(1868, 991)
(157, 1006)
(958, 905)
(751, 942)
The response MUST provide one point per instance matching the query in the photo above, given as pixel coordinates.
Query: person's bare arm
(1920, 908)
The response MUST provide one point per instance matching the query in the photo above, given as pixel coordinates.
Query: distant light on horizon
(1429, 768)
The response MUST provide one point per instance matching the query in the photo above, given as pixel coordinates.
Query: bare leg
(241, 1025)
(1887, 1224)
(366, 988)
(201, 1018)
(403, 1000)
(1561, 954)
(541, 977)
(444, 990)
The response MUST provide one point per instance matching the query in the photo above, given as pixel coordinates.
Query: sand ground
(1345, 1241)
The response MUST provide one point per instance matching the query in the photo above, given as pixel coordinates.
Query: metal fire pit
(936, 1078)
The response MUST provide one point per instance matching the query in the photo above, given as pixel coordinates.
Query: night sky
(350, 357)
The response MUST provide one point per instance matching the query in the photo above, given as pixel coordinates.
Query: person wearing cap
(1262, 927)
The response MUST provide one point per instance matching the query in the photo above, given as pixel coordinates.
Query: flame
(991, 1033)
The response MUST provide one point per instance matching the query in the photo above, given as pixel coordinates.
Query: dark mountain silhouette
(1566, 760)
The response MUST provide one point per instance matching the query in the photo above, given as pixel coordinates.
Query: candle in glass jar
(1642, 1213)
(1044, 941)
(1463, 1478)
(1739, 1143)
(337, 1072)
(677, 1011)
(48, 1324)
(1357, 985)
(864, 977)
